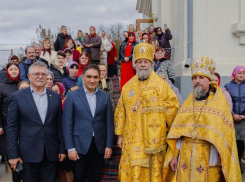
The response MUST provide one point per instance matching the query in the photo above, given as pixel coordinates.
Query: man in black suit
(88, 127)
(34, 136)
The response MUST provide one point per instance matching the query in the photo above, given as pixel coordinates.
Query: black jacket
(122, 51)
(7, 87)
(58, 76)
(60, 41)
(3, 75)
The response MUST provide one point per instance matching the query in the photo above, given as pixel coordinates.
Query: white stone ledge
(239, 30)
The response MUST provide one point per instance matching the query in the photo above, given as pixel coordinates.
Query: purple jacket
(94, 51)
(164, 39)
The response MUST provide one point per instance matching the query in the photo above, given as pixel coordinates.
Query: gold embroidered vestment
(144, 113)
(214, 127)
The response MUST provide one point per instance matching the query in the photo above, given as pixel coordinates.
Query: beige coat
(47, 57)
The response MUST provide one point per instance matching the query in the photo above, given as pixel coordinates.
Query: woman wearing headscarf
(236, 89)
(83, 62)
(127, 70)
(11, 59)
(111, 58)
(7, 87)
(216, 80)
(69, 56)
(59, 89)
(80, 36)
(71, 80)
(58, 67)
(161, 63)
(151, 32)
(64, 168)
(48, 54)
(61, 38)
(164, 76)
(106, 84)
(70, 44)
(92, 44)
(146, 38)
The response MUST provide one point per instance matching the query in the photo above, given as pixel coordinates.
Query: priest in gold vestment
(202, 143)
(145, 112)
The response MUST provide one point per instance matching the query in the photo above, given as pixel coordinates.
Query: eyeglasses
(38, 74)
(159, 30)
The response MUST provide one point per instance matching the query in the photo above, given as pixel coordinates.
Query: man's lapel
(50, 103)
(98, 101)
(32, 104)
(82, 96)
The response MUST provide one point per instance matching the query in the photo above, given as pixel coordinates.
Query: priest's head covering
(144, 51)
(202, 66)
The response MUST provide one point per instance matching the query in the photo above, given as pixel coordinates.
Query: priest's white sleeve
(214, 155)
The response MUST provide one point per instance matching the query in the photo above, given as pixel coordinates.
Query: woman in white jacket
(48, 54)
(105, 48)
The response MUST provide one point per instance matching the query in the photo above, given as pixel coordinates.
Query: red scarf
(62, 93)
(16, 79)
(92, 35)
(81, 67)
(48, 50)
(134, 38)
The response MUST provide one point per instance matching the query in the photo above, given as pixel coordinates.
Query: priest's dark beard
(199, 92)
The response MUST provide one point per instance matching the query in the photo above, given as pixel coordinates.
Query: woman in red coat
(69, 43)
(111, 58)
(127, 70)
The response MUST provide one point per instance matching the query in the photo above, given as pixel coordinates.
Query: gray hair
(50, 73)
(38, 64)
(36, 44)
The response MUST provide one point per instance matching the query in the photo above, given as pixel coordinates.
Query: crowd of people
(59, 115)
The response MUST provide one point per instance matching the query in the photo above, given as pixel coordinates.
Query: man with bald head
(145, 112)
(25, 64)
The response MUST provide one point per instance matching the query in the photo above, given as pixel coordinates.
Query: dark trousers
(91, 163)
(43, 171)
(240, 149)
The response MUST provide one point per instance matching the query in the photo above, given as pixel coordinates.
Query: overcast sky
(19, 19)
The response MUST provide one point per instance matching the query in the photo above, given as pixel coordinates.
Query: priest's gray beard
(199, 92)
(143, 74)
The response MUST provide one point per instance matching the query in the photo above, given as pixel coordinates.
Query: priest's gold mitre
(202, 66)
(144, 51)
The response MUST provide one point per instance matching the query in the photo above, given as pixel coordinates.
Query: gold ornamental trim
(153, 110)
(156, 150)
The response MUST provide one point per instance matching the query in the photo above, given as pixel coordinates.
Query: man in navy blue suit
(88, 127)
(34, 134)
